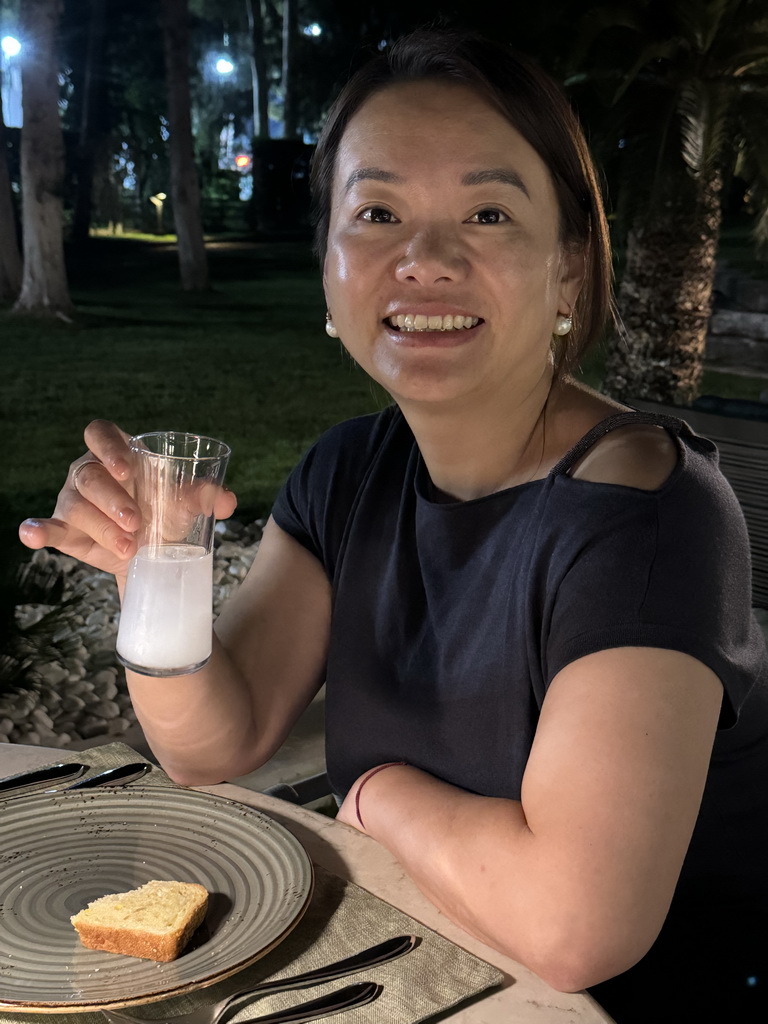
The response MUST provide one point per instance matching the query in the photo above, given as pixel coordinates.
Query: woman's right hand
(95, 519)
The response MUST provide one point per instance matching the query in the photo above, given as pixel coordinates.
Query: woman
(530, 604)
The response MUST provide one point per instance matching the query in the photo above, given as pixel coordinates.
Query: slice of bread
(155, 921)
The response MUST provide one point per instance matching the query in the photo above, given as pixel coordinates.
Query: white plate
(60, 851)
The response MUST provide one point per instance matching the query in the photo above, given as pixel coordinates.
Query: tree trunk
(86, 146)
(185, 186)
(10, 257)
(260, 83)
(289, 91)
(665, 297)
(44, 282)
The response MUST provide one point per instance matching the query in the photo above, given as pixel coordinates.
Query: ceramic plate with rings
(63, 850)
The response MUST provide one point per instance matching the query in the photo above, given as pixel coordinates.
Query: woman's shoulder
(606, 442)
(641, 455)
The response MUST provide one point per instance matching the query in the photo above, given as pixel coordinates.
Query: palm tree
(687, 85)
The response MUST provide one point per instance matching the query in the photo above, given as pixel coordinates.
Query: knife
(38, 776)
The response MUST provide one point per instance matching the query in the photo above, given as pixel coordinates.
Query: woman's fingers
(94, 504)
(90, 481)
(224, 504)
(95, 517)
(55, 533)
(109, 444)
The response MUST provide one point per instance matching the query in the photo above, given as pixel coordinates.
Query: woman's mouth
(416, 322)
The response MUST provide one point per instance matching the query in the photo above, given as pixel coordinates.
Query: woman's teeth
(421, 322)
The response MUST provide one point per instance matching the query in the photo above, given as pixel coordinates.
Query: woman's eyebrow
(372, 174)
(499, 175)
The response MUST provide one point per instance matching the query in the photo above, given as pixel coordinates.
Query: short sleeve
(292, 510)
(670, 569)
(314, 504)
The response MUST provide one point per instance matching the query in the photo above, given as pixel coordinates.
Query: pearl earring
(330, 330)
(563, 326)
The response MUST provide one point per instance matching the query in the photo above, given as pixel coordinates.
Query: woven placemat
(342, 918)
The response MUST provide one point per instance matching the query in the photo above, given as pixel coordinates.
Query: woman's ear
(573, 269)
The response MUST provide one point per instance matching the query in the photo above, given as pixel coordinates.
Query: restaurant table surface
(522, 998)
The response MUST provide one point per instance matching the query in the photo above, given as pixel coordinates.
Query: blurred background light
(10, 46)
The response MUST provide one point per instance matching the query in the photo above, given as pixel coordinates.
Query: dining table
(517, 996)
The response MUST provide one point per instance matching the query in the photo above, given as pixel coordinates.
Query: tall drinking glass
(167, 614)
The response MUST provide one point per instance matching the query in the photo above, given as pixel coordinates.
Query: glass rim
(224, 450)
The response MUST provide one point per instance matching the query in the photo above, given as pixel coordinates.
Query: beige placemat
(341, 919)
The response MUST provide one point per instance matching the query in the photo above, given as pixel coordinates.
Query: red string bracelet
(381, 767)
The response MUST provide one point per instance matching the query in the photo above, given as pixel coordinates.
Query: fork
(383, 952)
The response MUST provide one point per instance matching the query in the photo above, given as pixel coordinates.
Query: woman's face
(444, 272)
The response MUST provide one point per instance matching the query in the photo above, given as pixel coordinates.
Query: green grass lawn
(248, 362)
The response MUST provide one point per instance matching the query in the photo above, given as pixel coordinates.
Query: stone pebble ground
(80, 693)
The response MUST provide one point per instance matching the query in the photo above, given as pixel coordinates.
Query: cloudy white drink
(166, 618)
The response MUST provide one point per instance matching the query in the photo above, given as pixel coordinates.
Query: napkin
(341, 919)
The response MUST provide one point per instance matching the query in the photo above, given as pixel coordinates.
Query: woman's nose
(432, 256)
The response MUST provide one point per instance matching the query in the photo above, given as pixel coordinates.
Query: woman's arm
(270, 643)
(576, 879)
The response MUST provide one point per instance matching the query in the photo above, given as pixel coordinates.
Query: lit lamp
(10, 73)
(157, 202)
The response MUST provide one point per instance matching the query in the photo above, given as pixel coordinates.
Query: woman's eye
(489, 216)
(378, 215)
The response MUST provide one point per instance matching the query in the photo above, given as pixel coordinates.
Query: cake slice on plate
(155, 921)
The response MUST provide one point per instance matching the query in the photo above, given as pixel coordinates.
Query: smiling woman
(515, 94)
(445, 271)
(546, 693)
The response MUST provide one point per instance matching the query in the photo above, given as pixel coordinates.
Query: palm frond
(752, 161)
(704, 126)
(600, 20)
(699, 22)
(658, 50)
(52, 637)
(750, 51)
(693, 108)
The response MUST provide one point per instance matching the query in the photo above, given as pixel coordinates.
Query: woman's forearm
(268, 661)
(477, 860)
(203, 727)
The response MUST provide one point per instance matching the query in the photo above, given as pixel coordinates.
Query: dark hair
(536, 107)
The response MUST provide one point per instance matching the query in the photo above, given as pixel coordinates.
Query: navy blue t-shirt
(450, 620)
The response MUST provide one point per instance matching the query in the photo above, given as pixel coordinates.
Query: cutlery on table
(119, 776)
(381, 953)
(348, 998)
(39, 776)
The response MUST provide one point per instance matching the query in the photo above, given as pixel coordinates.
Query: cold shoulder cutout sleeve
(668, 568)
